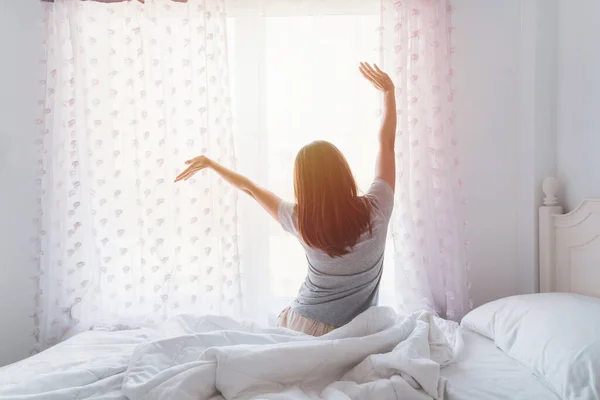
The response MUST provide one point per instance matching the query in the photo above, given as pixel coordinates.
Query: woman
(343, 234)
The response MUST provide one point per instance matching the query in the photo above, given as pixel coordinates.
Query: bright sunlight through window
(304, 72)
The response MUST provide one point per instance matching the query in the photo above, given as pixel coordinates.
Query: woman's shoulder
(381, 198)
(286, 213)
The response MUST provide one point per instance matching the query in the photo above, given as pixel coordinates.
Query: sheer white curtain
(132, 91)
(428, 226)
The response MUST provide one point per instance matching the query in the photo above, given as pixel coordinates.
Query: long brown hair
(331, 215)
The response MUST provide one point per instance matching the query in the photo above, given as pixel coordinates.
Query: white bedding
(483, 371)
(378, 355)
(554, 335)
(89, 365)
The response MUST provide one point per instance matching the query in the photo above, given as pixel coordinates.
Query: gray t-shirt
(338, 289)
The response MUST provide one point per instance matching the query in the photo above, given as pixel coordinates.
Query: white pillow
(555, 335)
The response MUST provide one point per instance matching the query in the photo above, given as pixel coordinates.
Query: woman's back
(337, 289)
(343, 234)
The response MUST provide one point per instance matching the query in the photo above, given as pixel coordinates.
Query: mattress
(483, 371)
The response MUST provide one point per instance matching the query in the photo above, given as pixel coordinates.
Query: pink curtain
(430, 259)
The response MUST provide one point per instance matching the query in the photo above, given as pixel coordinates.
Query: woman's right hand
(194, 165)
(377, 77)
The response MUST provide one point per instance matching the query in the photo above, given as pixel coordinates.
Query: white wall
(487, 107)
(537, 134)
(528, 95)
(505, 98)
(18, 43)
(579, 100)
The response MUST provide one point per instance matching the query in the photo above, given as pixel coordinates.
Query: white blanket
(90, 365)
(377, 356)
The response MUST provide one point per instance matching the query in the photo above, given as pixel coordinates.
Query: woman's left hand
(194, 165)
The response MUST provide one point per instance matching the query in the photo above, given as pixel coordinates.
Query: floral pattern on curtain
(131, 92)
(428, 227)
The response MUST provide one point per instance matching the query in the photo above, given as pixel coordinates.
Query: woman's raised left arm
(267, 199)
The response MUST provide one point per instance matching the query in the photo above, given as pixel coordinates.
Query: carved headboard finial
(550, 188)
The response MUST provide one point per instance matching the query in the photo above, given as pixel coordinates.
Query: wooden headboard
(569, 245)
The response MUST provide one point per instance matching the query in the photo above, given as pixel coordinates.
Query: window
(295, 79)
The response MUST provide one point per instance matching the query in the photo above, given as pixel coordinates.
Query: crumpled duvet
(379, 355)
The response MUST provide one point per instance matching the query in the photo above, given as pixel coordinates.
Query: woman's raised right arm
(385, 168)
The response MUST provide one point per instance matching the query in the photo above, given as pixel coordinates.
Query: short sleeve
(382, 196)
(287, 216)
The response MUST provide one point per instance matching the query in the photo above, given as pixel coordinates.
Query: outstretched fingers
(364, 73)
(187, 173)
(181, 175)
(367, 71)
(377, 77)
(372, 71)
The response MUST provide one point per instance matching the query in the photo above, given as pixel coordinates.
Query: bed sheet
(484, 372)
(90, 365)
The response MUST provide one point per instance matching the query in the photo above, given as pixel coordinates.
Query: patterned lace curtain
(131, 91)
(428, 226)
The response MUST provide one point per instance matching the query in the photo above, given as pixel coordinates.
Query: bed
(569, 262)
(483, 371)
(540, 346)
